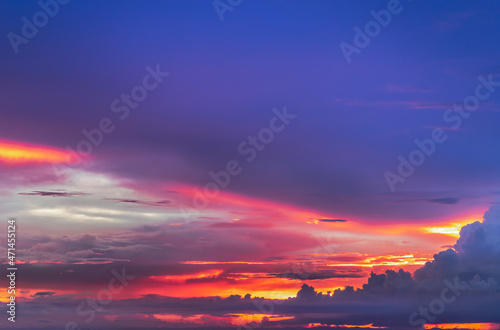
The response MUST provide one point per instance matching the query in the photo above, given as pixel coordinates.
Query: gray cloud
(54, 193)
(332, 220)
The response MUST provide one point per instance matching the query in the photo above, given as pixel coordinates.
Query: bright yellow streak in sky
(14, 153)
(452, 229)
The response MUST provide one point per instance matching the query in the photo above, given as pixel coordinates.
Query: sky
(235, 164)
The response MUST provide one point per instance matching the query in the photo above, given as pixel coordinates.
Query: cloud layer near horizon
(471, 268)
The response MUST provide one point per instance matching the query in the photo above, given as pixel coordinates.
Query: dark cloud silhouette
(323, 275)
(448, 200)
(332, 220)
(142, 202)
(45, 293)
(441, 200)
(54, 193)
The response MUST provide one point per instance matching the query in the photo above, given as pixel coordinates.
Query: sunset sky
(292, 164)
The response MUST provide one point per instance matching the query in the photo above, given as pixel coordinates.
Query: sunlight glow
(389, 260)
(229, 319)
(452, 229)
(16, 153)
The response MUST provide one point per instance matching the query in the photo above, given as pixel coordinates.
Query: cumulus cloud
(385, 300)
(476, 252)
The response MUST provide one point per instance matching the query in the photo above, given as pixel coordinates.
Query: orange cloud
(229, 319)
(18, 153)
(469, 326)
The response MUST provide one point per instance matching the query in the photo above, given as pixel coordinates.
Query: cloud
(147, 228)
(45, 293)
(453, 21)
(448, 200)
(142, 202)
(441, 200)
(54, 193)
(21, 153)
(332, 220)
(325, 274)
(406, 89)
(476, 252)
(385, 300)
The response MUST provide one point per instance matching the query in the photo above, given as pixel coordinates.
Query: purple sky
(399, 142)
